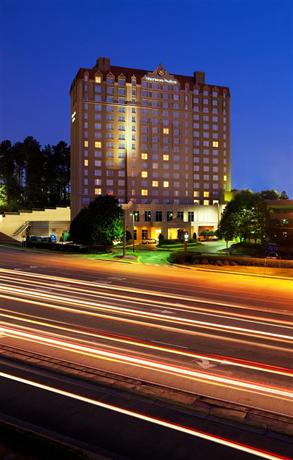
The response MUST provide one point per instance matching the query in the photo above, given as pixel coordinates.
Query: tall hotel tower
(155, 140)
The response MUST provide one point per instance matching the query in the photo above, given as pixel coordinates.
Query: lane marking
(245, 385)
(224, 360)
(161, 422)
(169, 344)
(146, 314)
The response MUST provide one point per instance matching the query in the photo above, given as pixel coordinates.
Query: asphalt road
(220, 335)
(111, 423)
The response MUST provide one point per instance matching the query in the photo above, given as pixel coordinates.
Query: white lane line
(143, 314)
(184, 309)
(169, 344)
(137, 291)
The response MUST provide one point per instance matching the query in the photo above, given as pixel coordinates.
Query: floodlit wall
(204, 217)
(41, 222)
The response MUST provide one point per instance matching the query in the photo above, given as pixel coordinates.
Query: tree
(7, 176)
(34, 177)
(98, 223)
(58, 173)
(284, 196)
(34, 190)
(246, 216)
(3, 196)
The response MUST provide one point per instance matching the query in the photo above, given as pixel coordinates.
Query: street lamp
(133, 214)
(186, 237)
(125, 205)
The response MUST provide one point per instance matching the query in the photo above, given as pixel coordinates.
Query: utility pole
(125, 206)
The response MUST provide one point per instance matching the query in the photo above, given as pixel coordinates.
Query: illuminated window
(98, 191)
(86, 162)
(165, 157)
(144, 174)
(165, 130)
(206, 194)
(165, 184)
(144, 192)
(195, 193)
(206, 202)
(215, 144)
(98, 79)
(98, 144)
(225, 178)
(144, 156)
(85, 143)
(155, 183)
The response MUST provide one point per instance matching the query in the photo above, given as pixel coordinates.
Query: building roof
(129, 72)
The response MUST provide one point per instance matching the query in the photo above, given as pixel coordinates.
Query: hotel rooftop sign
(160, 75)
(161, 80)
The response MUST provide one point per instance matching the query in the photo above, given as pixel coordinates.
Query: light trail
(226, 360)
(168, 328)
(174, 370)
(152, 315)
(182, 307)
(135, 290)
(160, 422)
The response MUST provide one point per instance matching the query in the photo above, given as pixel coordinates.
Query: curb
(263, 422)
(230, 272)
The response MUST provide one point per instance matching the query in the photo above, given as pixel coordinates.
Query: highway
(219, 335)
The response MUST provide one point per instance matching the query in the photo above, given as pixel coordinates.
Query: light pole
(133, 217)
(186, 236)
(125, 206)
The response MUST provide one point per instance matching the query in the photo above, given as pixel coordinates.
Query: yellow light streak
(133, 290)
(146, 314)
(146, 324)
(273, 391)
(224, 360)
(207, 310)
(147, 418)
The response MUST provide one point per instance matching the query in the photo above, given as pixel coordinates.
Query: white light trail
(160, 422)
(226, 360)
(175, 370)
(145, 314)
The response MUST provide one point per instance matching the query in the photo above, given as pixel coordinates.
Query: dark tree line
(32, 176)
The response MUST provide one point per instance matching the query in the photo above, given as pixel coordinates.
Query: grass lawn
(152, 254)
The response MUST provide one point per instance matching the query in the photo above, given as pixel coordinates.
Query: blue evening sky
(244, 44)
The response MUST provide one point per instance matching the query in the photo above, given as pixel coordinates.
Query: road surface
(219, 335)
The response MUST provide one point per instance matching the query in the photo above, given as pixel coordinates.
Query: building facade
(157, 141)
(280, 213)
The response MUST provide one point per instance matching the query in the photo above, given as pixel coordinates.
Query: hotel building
(157, 141)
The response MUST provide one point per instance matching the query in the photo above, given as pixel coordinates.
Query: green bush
(161, 239)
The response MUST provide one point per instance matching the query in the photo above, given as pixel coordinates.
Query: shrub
(161, 239)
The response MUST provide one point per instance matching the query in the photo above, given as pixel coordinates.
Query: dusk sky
(246, 45)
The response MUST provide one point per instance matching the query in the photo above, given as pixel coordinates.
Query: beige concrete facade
(150, 137)
(148, 221)
(39, 222)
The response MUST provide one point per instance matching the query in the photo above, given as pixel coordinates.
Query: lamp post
(133, 217)
(186, 236)
(125, 205)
